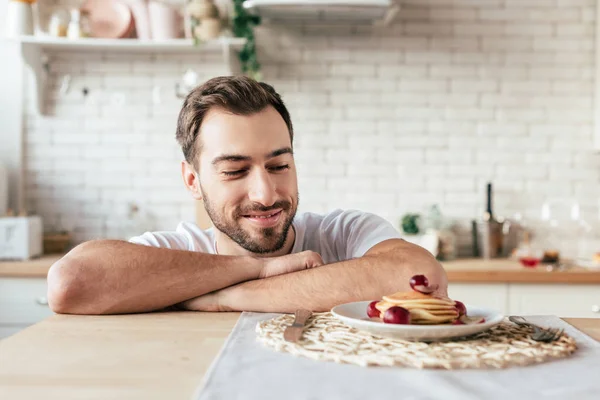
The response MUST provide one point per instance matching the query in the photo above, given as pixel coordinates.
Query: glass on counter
(528, 255)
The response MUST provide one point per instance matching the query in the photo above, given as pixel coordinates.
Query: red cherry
(460, 307)
(373, 312)
(426, 289)
(458, 322)
(396, 315)
(482, 321)
(418, 280)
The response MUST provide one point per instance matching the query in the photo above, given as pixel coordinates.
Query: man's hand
(272, 266)
(207, 302)
(290, 263)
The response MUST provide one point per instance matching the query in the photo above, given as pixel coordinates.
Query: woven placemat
(328, 339)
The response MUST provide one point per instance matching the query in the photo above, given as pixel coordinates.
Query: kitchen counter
(140, 356)
(511, 271)
(459, 271)
(35, 268)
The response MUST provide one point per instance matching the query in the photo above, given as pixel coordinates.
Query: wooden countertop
(510, 271)
(35, 268)
(140, 356)
(459, 271)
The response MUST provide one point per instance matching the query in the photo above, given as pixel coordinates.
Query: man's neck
(227, 247)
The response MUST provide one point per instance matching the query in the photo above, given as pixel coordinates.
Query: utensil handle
(521, 321)
(301, 316)
(489, 200)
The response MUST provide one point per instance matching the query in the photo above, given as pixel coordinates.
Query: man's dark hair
(237, 94)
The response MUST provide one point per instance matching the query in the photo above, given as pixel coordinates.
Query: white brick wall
(458, 92)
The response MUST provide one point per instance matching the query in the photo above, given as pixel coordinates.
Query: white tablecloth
(245, 369)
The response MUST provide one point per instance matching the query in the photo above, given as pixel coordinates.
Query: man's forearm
(109, 277)
(319, 289)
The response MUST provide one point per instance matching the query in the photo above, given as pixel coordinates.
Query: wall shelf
(35, 48)
(130, 45)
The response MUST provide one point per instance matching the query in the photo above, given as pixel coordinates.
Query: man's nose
(262, 188)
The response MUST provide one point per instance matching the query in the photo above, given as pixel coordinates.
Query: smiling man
(237, 139)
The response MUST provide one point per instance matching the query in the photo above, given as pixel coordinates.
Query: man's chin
(267, 240)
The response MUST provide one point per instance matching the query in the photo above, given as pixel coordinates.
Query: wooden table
(142, 356)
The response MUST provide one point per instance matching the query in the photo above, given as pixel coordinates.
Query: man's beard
(271, 239)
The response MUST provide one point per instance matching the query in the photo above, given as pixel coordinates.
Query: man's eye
(280, 167)
(234, 173)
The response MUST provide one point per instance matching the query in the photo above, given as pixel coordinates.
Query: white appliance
(326, 11)
(21, 238)
(3, 190)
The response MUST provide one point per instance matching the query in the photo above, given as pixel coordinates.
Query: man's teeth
(262, 216)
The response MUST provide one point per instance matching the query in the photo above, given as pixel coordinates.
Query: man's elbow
(418, 261)
(68, 284)
(440, 277)
(434, 271)
(62, 286)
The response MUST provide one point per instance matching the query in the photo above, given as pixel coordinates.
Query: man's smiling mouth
(264, 219)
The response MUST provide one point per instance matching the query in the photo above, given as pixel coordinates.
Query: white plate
(355, 315)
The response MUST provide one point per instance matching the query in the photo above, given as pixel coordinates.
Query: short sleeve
(187, 236)
(168, 240)
(355, 232)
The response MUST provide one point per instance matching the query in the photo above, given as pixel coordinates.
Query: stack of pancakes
(425, 309)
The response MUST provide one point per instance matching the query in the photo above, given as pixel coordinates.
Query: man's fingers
(291, 263)
(317, 260)
(311, 259)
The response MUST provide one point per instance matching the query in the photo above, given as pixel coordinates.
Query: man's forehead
(255, 135)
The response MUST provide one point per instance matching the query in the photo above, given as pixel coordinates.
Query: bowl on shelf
(109, 19)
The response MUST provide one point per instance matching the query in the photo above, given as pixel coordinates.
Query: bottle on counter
(489, 230)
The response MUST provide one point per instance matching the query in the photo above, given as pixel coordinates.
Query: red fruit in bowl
(458, 322)
(373, 312)
(396, 315)
(460, 307)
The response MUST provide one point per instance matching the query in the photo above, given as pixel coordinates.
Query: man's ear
(190, 178)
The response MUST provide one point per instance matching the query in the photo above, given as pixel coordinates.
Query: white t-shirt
(337, 236)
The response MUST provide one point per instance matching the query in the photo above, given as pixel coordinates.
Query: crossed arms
(113, 277)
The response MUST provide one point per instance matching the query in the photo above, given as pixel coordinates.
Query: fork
(539, 334)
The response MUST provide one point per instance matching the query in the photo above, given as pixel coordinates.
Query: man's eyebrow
(278, 152)
(230, 157)
(239, 157)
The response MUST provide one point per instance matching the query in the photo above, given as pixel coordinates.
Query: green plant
(243, 24)
(410, 224)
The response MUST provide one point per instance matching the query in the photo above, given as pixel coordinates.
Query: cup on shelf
(139, 9)
(165, 21)
(19, 18)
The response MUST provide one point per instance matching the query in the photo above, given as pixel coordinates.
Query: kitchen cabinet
(494, 295)
(563, 300)
(23, 302)
(573, 301)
